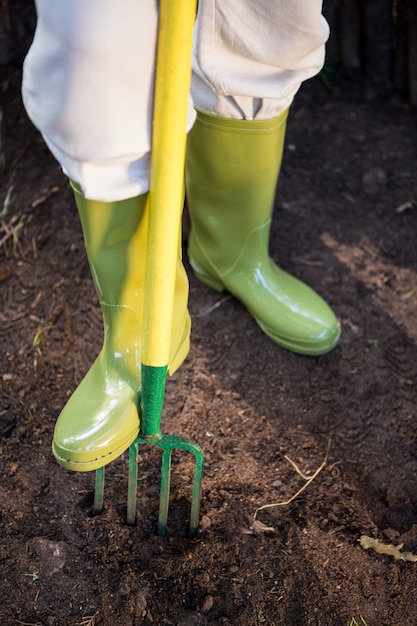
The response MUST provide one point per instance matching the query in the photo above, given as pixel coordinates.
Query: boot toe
(316, 342)
(287, 310)
(87, 440)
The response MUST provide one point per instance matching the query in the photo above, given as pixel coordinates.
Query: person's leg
(250, 58)
(88, 87)
(249, 61)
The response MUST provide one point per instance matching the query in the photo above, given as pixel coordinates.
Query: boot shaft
(232, 171)
(116, 239)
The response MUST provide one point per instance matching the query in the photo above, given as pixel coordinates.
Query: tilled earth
(345, 222)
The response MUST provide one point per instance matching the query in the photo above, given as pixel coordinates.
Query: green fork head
(153, 379)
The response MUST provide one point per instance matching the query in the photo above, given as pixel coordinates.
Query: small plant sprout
(409, 204)
(36, 341)
(90, 607)
(33, 575)
(37, 338)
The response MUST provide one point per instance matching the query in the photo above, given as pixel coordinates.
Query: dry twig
(308, 480)
(213, 307)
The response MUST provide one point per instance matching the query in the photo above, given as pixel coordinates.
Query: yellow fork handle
(172, 86)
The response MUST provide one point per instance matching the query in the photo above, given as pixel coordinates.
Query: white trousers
(88, 77)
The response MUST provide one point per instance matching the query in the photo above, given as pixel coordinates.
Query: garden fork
(173, 71)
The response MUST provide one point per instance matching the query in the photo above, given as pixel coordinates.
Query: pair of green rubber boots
(232, 168)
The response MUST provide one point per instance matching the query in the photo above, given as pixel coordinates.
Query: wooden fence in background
(376, 38)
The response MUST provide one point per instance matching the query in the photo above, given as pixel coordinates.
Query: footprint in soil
(391, 497)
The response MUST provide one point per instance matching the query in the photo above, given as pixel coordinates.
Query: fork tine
(196, 495)
(164, 491)
(132, 484)
(99, 490)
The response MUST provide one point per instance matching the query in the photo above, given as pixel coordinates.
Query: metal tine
(132, 483)
(196, 494)
(99, 490)
(164, 491)
(132, 486)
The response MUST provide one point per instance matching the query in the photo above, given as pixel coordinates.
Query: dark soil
(345, 222)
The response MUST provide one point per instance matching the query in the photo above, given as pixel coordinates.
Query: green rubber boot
(100, 420)
(232, 169)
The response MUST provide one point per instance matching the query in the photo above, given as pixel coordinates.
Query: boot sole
(94, 463)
